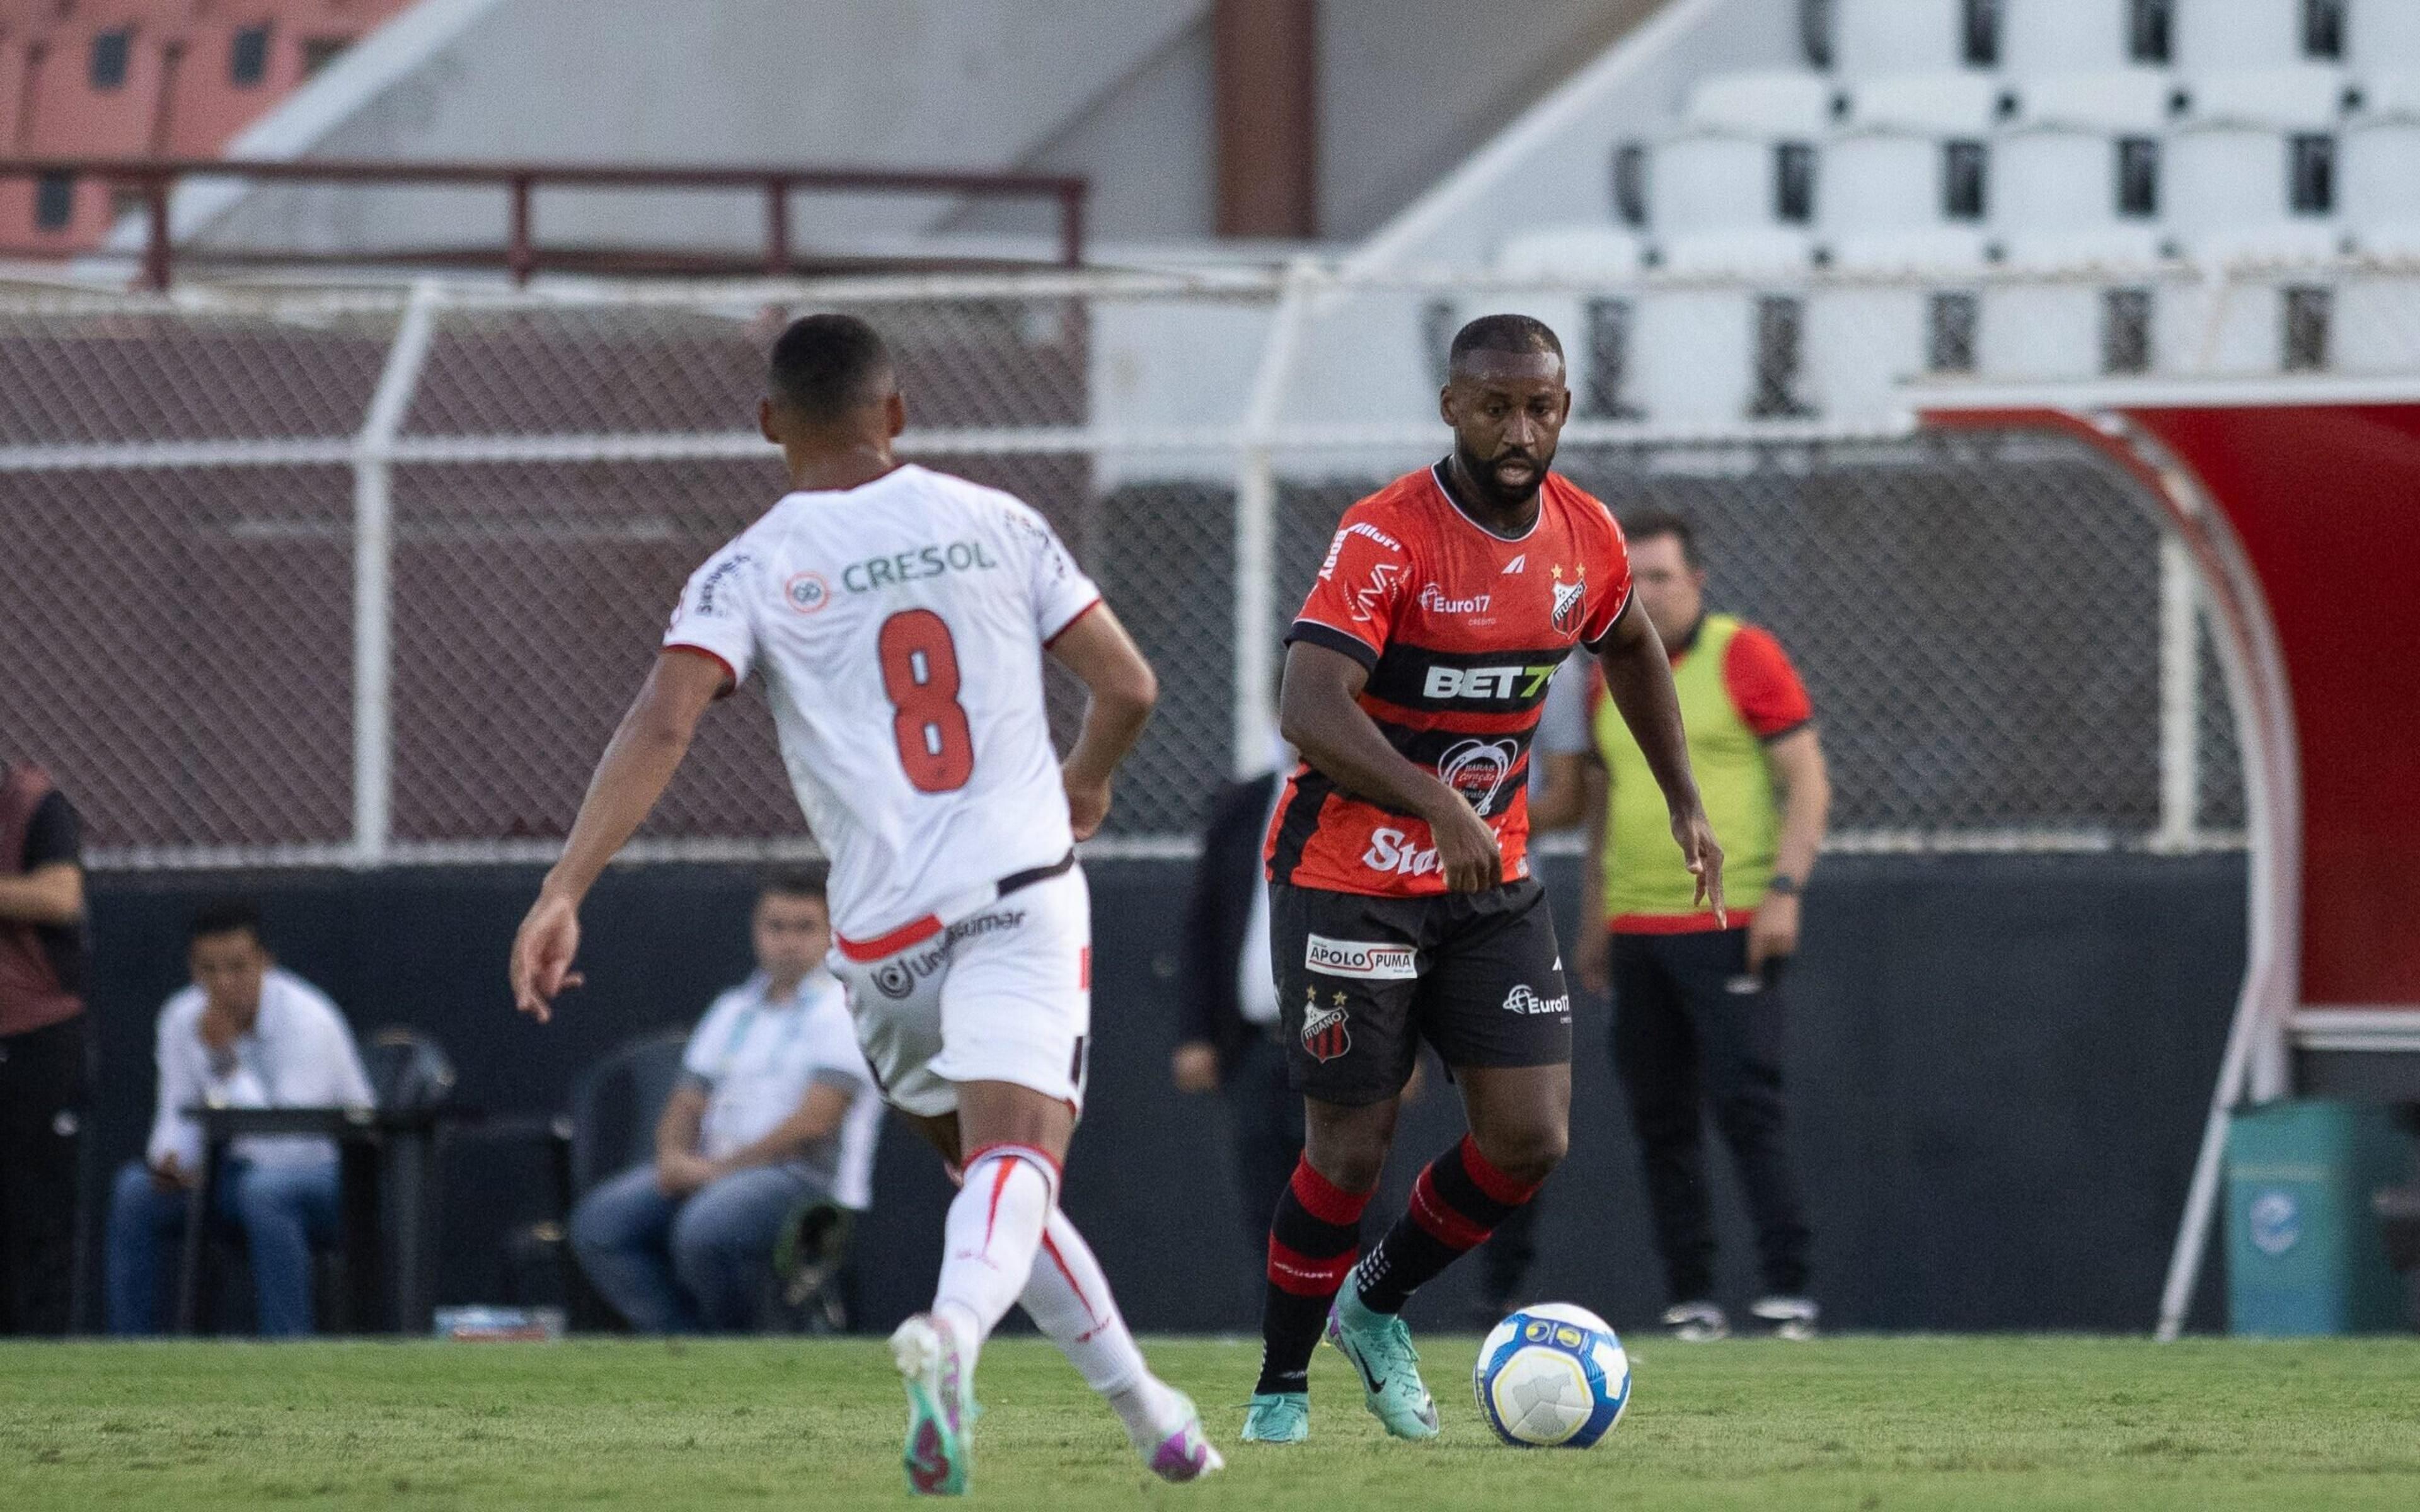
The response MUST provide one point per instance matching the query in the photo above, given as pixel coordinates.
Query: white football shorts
(1003, 993)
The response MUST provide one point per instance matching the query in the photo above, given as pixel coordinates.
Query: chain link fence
(368, 578)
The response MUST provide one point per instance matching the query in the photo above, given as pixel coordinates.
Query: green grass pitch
(1849, 1423)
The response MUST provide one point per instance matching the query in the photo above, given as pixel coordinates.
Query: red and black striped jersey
(1461, 629)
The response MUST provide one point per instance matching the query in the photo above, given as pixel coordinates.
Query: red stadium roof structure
(2299, 504)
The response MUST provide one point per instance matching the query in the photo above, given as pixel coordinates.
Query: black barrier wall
(2001, 1066)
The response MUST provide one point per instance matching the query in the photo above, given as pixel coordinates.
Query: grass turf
(1858, 1424)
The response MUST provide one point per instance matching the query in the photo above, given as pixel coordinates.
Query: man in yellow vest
(1697, 1003)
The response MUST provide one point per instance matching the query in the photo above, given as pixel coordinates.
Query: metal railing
(152, 180)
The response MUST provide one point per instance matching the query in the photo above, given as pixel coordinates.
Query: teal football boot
(1380, 1348)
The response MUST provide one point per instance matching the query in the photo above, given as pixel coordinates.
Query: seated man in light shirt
(775, 1109)
(246, 1034)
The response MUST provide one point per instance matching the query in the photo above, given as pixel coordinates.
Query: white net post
(373, 579)
(1256, 507)
(2179, 700)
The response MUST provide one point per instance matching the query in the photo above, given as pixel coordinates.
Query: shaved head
(1517, 335)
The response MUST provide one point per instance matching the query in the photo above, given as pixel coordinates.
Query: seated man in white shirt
(775, 1109)
(246, 1034)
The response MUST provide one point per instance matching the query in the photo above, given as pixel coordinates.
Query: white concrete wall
(888, 82)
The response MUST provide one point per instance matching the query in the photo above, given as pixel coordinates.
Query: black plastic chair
(615, 1105)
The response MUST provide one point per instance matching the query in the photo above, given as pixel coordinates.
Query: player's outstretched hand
(1088, 805)
(1466, 848)
(1705, 858)
(542, 955)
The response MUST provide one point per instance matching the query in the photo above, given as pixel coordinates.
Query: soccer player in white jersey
(898, 618)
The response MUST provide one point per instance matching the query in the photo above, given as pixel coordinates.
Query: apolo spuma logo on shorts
(1367, 960)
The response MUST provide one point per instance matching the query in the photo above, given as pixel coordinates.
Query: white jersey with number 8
(899, 627)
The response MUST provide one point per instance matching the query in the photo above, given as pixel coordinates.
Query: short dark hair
(225, 916)
(1646, 524)
(825, 365)
(794, 882)
(1517, 333)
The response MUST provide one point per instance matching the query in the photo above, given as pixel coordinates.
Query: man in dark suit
(1228, 1034)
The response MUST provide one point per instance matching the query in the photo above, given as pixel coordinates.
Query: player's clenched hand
(1466, 848)
(1088, 805)
(1705, 858)
(543, 953)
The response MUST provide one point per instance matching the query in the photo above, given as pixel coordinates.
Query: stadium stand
(2092, 147)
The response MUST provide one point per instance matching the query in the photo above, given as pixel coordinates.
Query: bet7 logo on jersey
(1487, 682)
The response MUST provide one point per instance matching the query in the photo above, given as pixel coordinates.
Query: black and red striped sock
(1313, 1240)
(1456, 1203)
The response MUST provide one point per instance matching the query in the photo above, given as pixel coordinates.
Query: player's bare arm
(1639, 675)
(1796, 761)
(638, 762)
(1593, 949)
(1124, 691)
(51, 894)
(1319, 716)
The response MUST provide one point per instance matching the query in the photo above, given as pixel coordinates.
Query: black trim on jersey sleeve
(1333, 640)
(1786, 730)
(53, 834)
(1629, 600)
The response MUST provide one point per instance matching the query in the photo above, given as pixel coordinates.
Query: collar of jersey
(850, 493)
(1437, 475)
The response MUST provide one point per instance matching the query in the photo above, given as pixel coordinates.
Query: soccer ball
(1553, 1375)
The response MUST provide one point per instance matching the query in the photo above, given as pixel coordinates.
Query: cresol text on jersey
(902, 567)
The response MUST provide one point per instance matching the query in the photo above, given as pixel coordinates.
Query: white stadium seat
(2238, 34)
(2251, 180)
(1779, 103)
(1878, 36)
(1890, 167)
(1946, 104)
(1762, 253)
(1881, 180)
(1694, 357)
(1923, 252)
(2382, 35)
(2063, 36)
(2377, 325)
(2051, 328)
(2233, 166)
(1864, 339)
(2378, 180)
(2297, 96)
(2109, 100)
(2058, 167)
(1713, 180)
(1569, 251)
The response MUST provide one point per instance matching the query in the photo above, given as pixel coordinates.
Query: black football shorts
(1361, 980)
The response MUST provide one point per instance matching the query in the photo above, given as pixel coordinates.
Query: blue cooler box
(2305, 1250)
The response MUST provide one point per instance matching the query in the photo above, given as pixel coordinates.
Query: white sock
(1068, 1299)
(987, 1246)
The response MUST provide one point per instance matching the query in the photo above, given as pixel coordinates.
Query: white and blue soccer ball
(1552, 1377)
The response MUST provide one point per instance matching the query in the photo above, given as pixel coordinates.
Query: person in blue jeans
(774, 1108)
(247, 1033)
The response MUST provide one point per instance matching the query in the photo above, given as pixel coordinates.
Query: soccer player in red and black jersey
(1400, 903)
